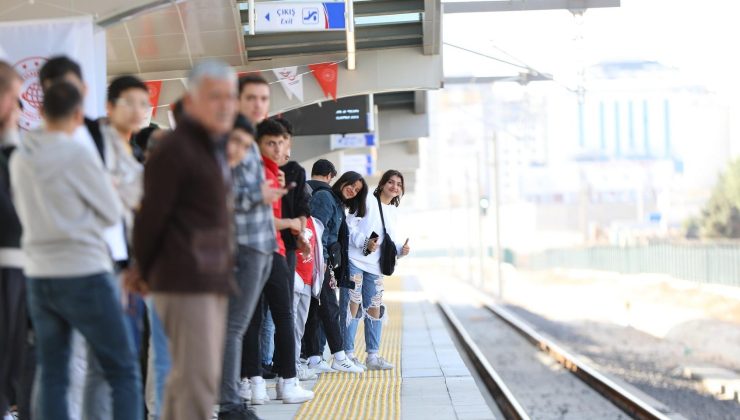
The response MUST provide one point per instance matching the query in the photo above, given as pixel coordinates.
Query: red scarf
(271, 174)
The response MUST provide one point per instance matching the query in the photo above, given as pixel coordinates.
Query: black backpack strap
(93, 127)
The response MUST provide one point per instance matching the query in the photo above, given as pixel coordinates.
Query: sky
(699, 37)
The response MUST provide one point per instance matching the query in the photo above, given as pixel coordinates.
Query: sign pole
(251, 17)
(350, 24)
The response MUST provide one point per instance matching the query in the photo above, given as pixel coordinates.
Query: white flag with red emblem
(27, 45)
(291, 81)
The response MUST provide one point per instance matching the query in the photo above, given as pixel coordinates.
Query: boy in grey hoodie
(65, 200)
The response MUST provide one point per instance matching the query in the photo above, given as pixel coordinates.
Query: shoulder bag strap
(382, 219)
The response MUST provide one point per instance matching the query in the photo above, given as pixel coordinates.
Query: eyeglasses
(127, 103)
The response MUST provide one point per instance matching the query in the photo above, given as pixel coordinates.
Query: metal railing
(704, 262)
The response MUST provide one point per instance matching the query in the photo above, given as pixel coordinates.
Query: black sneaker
(267, 372)
(243, 412)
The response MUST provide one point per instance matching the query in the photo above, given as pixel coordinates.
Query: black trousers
(326, 314)
(290, 257)
(13, 335)
(278, 294)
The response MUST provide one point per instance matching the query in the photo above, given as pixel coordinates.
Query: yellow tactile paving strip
(373, 394)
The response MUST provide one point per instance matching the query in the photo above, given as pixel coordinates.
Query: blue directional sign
(299, 17)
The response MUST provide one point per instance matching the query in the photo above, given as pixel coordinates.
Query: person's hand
(303, 246)
(296, 227)
(133, 282)
(372, 245)
(405, 249)
(271, 195)
(281, 179)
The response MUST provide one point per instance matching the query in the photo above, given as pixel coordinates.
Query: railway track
(531, 377)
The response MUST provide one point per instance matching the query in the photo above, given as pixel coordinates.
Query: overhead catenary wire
(521, 66)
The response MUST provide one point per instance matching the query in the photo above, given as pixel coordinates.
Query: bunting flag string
(326, 75)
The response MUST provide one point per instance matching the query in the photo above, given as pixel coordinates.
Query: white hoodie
(64, 199)
(360, 230)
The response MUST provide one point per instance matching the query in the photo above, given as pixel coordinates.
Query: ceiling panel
(116, 32)
(164, 65)
(122, 67)
(119, 49)
(161, 47)
(204, 44)
(211, 19)
(165, 22)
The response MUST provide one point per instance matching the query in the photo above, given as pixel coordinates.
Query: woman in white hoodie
(365, 301)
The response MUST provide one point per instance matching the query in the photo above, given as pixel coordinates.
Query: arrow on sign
(267, 16)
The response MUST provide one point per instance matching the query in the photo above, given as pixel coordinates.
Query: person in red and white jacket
(309, 274)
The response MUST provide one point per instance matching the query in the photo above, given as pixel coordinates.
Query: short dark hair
(251, 79)
(141, 139)
(285, 123)
(242, 123)
(355, 205)
(323, 167)
(58, 67)
(270, 127)
(61, 101)
(384, 180)
(123, 83)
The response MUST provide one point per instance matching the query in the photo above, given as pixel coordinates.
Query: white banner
(291, 81)
(27, 45)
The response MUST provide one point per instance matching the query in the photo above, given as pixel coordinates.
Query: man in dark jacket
(182, 241)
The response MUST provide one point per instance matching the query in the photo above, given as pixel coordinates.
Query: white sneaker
(346, 365)
(357, 362)
(378, 363)
(321, 367)
(259, 392)
(244, 391)
(306, 374)
(293, 393)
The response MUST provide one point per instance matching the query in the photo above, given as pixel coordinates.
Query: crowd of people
(170, 273)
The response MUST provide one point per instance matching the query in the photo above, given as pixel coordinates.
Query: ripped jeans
(368, 292)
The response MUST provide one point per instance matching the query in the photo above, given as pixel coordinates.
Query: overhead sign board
(298, 16)
(352, 141)
(345, 115)
(362, 164)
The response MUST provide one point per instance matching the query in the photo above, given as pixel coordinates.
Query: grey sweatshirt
(64, 198)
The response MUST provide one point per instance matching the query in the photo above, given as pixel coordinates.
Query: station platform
(431, 379)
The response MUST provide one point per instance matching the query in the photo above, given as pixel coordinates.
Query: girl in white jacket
(365, 301)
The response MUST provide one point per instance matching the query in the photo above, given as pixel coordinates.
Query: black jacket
(10, 225)
(295, 202)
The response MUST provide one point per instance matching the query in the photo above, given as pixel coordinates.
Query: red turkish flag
(241, 74)
(155, 88)
(326, 74)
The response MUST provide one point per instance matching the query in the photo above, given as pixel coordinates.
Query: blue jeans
(252, 271)
(89, 305)
(159, 363)
(368, 293)
(267, 337)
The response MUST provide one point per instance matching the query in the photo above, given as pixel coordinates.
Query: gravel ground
(545, 389)
(648, 363)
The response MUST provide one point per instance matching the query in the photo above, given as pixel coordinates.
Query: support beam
(524, 5)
